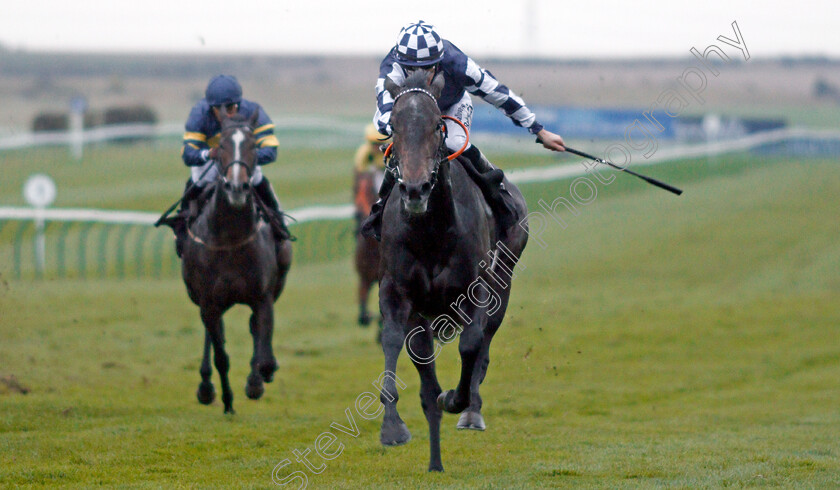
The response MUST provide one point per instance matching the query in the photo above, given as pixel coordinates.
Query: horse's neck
(366, 194)
(226, 222)
(441, 214)
(445, 200)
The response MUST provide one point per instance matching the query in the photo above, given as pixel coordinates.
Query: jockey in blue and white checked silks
(419, 47)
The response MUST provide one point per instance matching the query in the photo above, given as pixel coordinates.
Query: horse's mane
(418, 79)
(235, 121)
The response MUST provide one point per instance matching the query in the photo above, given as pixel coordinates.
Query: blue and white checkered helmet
(418, 45)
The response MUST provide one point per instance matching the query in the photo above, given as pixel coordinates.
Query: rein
(225, 248)
(223, 177)
(223, 170)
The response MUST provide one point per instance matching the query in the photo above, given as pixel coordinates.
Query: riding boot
(372, 225)
(491, 182)
(278, 224)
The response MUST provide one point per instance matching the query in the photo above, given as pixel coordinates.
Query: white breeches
(462, 111)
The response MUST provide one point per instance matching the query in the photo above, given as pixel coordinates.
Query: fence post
(61, 251)
(125, 229)
(103, 249)
(78, 106)
(138, 250)
(83, 248)
(39, 192)
(18, 244)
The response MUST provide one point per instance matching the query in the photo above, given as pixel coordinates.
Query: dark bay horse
(365, 185)
(443, 270)
(232, 258)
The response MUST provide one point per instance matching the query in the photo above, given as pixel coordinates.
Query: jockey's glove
(208, 154)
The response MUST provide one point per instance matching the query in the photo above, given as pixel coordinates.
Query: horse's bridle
(223, 169)
(392, 161)
(223, 177)
(248, 167)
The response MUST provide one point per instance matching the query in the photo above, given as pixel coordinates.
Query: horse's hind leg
(284, 263)
(215, 329)
(421, 351)
(364, 291)
(206, 392)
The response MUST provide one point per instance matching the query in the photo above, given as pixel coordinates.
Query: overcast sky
(549, 28)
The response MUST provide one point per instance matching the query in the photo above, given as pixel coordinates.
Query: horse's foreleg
(263, 363)
(421, 350)
(394, 431)
(215, 329)
(471, 418)
(206, 392)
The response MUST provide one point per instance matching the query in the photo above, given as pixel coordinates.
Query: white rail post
(78, 107)
(39, 192)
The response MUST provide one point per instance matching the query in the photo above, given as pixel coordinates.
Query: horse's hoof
(254, 392)
(364, 319)
(206, 393)
(441, 399)
(436, 467)
(267, 371)
(230, 411)
(255, 388)
(446, 402)
(471, 420)
(394, 434)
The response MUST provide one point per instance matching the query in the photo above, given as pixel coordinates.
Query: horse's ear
(252, 121)
(436, 87)
(392, 87)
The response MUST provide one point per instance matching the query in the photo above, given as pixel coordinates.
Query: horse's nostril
(426, 188)
(227, 186)
(246, 186)
(403, 188)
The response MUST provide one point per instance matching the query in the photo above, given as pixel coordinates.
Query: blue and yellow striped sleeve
(267, 142)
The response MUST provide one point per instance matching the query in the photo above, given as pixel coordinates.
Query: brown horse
(443, 269)
(232, 257)
(367, 248)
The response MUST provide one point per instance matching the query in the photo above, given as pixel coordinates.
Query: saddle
(182, 220)
(497, 196)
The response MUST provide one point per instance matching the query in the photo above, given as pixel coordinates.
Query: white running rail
(543, 174)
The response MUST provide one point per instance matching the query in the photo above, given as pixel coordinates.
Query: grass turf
(655, 341)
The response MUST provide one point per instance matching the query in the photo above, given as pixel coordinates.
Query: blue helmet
(222, 90)
(418, 45)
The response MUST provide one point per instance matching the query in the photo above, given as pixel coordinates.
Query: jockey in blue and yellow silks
(201, 139)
